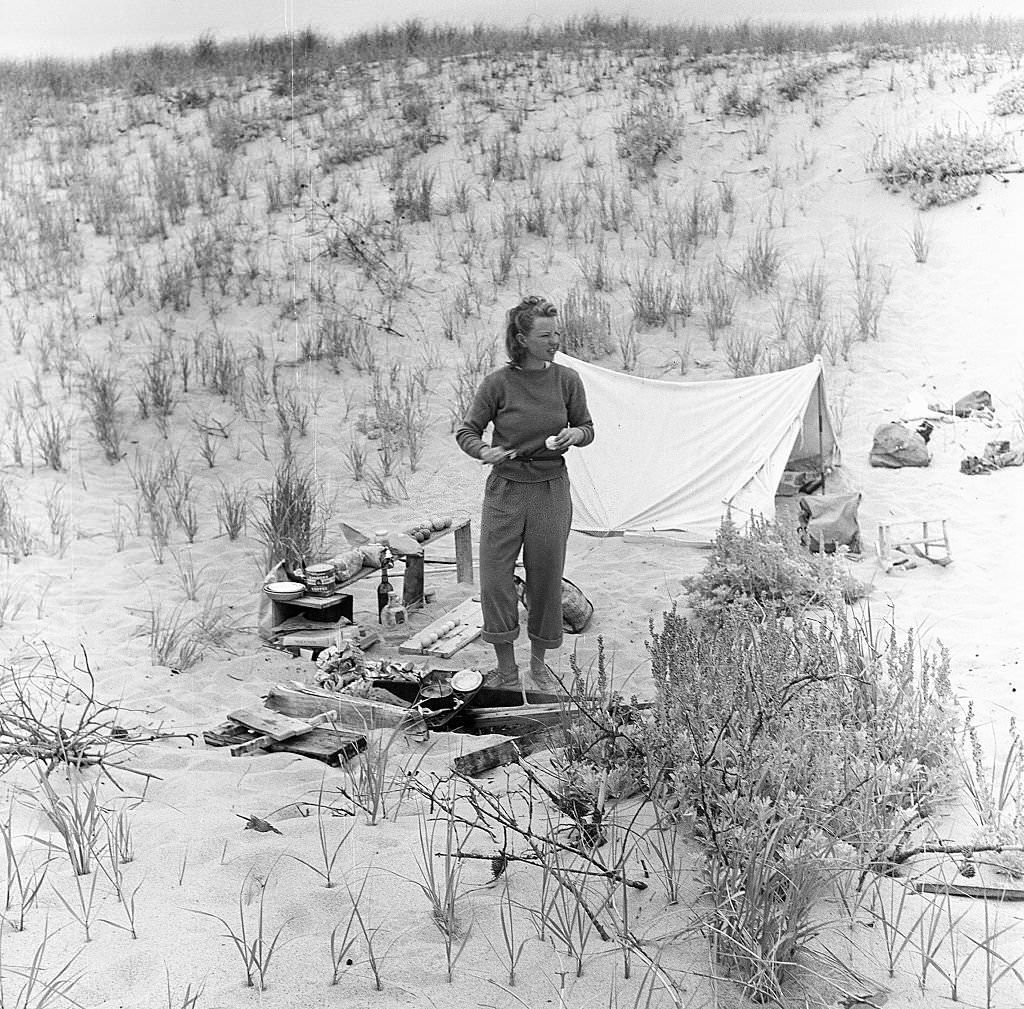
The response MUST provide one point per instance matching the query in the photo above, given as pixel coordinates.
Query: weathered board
(311, 742)
(229, 734)
(256, 743)
(471, 622)
(269, 723)
(515, 720)
(332, 746)
(507, 752)
(970, 890)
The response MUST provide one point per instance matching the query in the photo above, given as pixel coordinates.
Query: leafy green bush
(766, 564)
(1009, 99)
(802, 751)
(943, 167)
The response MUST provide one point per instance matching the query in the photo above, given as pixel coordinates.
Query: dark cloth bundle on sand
(976, 403)
(896, 446)
(829, 521)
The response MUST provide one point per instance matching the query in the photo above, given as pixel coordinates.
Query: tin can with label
(320, 580)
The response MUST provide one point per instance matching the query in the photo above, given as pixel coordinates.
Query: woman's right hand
(490, 455)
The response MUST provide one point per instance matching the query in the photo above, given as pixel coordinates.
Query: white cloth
(676, 456)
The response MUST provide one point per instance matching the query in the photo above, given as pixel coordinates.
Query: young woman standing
(538, 410)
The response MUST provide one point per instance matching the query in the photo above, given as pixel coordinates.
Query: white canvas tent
(676, 456)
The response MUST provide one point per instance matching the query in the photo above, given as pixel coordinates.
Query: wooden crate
(471, 621)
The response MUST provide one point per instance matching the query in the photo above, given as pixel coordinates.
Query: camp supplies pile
(997, 455)
(430, 703)
(975, 404)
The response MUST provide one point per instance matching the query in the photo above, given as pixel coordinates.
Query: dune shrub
(737, 102)
(102, 391)
(744, 350)
(797, 81)
(653, 295)
(765, 564)
(586, 325)
(291, 522)
(649, 129)
(805, 752)
(349, 142)
(1009, 99)
(942, 167)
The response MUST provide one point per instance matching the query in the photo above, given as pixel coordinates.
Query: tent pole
(821, 426)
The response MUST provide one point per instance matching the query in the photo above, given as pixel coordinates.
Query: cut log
(300, 701)
(508, 752)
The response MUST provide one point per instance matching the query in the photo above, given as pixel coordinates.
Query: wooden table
(332, 608)
(412, 583)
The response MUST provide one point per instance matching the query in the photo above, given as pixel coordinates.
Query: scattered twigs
(491, 813)
(534, 859)
(54, 718)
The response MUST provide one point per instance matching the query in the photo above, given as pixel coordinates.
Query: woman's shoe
(545, 680)
(502, 678)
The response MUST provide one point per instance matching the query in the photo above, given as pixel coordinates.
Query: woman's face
(541, 342)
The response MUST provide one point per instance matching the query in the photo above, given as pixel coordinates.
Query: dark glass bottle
(385, 588)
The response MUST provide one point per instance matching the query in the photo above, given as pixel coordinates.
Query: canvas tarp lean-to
(676, 456)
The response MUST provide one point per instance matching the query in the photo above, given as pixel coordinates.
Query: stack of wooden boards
(258, 730)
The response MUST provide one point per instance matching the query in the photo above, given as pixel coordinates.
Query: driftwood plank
(507, 752)
(970, 890)
(269, 723)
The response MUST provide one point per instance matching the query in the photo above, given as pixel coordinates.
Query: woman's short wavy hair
(519, 323)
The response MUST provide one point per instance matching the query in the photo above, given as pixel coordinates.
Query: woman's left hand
(565, 438)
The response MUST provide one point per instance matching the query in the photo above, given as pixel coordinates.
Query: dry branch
(55, 718)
